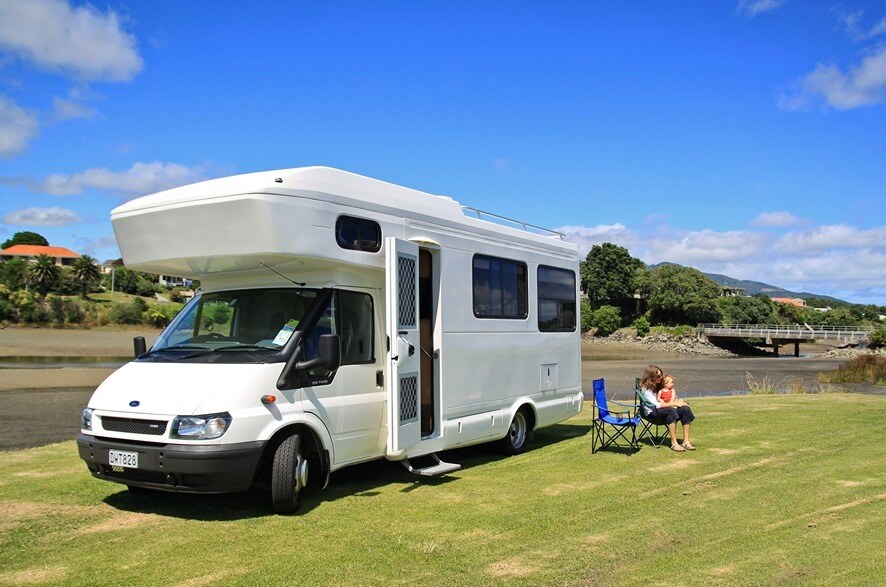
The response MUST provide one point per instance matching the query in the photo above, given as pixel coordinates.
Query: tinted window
(499, 288)
(358, 234)
(556, 299)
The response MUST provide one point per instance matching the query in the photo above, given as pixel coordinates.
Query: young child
(667, 393)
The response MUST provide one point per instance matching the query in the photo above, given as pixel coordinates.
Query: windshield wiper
(177, 347)
(252, 347)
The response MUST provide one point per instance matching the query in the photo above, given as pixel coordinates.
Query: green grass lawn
(108, 297)
(783, 489)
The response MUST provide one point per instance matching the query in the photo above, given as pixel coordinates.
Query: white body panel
(223, 232)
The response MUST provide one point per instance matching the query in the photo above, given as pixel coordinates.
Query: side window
(358, 234)
(556, 299)
(350, 315)
(355, 327)
(499, 288)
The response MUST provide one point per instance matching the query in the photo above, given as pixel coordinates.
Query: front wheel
(289, 475)
(517, 437)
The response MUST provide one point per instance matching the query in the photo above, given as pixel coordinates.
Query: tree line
(37, 291)
(622, 291)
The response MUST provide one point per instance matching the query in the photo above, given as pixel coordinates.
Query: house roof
(34, 250)
(792, 301)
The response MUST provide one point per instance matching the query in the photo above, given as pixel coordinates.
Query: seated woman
(667, 412)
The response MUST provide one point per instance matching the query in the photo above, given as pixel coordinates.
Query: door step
(440, 468)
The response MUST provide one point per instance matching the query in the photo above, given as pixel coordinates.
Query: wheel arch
(527, 406)
(317, 444)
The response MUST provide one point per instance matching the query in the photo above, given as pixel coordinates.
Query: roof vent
(278, 179)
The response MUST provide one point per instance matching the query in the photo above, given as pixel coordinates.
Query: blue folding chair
(609, 427)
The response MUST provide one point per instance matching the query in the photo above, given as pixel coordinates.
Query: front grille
(134, 426)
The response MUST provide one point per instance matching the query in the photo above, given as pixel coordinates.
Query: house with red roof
(792, 301)
(63, 257)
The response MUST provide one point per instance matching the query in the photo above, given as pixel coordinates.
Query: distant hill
(758, 287)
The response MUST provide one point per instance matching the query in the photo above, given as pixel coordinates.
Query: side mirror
(139, 347)
(328, 354)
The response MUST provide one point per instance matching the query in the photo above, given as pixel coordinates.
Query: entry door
(404, 373)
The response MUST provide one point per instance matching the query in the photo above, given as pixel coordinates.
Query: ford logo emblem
(134, 403)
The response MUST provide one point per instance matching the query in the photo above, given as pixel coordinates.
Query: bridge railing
(785, 327)
(783, 330)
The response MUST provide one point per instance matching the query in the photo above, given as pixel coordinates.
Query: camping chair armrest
(626, 415)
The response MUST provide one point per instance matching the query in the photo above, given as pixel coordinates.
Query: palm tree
(42, 273)
(85, 272)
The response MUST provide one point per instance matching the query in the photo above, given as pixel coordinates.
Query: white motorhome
(341, 319)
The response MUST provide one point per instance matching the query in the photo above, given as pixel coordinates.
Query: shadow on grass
(362, 481)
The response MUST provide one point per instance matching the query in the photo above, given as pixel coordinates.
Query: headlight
(201, 427)
(86, 419)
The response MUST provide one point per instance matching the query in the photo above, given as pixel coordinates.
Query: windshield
(251, 319)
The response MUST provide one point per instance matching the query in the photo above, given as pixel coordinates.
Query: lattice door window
(406, 302)
(408, 398)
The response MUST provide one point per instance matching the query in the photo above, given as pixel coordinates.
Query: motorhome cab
(341, 319)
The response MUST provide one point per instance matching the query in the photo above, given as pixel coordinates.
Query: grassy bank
(773, 495)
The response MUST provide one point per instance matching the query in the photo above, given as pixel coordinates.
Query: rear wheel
(289, 475)
(518, 435)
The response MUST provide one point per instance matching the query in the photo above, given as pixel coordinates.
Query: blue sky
(739, 137)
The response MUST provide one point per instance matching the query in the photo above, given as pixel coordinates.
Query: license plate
(119, 458)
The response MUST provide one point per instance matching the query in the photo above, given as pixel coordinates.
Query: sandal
(677, 448)
(688, 446)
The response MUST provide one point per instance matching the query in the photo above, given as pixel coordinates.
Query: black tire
(517, 437)
(289, 475)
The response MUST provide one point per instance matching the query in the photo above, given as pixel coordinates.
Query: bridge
(776, 335)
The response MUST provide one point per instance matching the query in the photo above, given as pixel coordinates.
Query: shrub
(128, 313)
(176, 296)
(681, 331)
(56, 309)
(867, 368)
(764, 386)
(607, 320)
(878, 337)
(38, 313)
(145, 288)
(7, 311)
(160, 316)
(641, 324)
(587, 315)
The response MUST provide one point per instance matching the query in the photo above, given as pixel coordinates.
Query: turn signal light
(268, 399)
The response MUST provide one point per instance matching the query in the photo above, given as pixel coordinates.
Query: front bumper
(175, 467)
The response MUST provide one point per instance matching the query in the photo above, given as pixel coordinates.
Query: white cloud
(861, 85)
(67, 109)
(700, 248)
(831, 237)
(91, 247)
(54, 216)
(751, 8)
(79, 41)
(776, 220)
(855, 27)
(140, 179)
(17, 128)
(585, 237)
